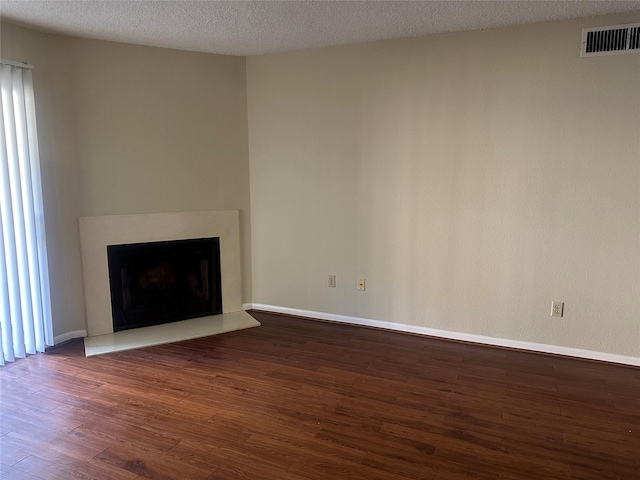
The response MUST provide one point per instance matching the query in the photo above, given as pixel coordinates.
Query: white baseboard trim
(466, 337)
(68, 336)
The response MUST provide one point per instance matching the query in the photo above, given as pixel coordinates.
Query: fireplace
(99, 235)
(160, 282)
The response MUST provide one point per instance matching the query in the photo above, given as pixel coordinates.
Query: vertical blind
(25, 303)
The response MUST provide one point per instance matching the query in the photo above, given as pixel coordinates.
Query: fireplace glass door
(162, 282)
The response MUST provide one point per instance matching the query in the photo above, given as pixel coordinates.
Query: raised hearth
(168, 333)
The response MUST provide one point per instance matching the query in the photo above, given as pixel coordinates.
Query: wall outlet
(332, 281)
(557, 309)
(362, 284)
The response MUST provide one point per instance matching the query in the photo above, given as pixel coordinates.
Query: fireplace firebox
(161, 282)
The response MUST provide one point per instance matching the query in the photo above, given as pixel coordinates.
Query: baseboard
(68, 336)
(465, 337)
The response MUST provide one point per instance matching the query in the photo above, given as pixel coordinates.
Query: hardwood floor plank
(63, 468)
(240, 463)
(300, 399)
(297, 452)
(18, 474)
(154, 464)
(575, 458)
(437, 434)
(505, 465)
(47, 446)
(104, 432)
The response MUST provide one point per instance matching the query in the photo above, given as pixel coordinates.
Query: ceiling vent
(611, 40)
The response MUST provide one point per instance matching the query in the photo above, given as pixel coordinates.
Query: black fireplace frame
(178, 253)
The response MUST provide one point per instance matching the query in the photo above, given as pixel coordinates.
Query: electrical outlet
(362, 284)
(557, 309)
(332, 281)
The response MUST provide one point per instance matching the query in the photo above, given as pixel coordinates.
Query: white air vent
(611, 40)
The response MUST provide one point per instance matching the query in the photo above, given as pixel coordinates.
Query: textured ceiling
(259, 27)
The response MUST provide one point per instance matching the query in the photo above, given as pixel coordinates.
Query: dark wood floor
(298, 399)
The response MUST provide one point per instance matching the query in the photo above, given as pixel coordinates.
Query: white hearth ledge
(168, 333)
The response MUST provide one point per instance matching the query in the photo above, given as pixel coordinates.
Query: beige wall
(469, 177)
(59, 162)
(472, 178)
(162, 130)
(127, 129)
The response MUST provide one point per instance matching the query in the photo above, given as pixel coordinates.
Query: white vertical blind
(25, 304)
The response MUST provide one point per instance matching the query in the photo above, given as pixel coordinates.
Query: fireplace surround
(99, 232)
